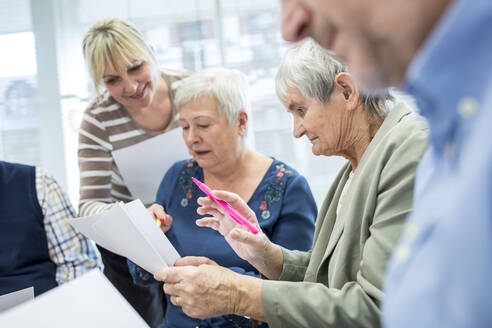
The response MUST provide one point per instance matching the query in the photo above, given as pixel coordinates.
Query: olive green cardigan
(338, 282)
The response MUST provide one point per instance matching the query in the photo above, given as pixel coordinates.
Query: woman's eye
(203, 126)
(111, 81)
(300, 111)
(185, 127)
(135, 68)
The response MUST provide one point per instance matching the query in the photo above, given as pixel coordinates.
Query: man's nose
(296, 20)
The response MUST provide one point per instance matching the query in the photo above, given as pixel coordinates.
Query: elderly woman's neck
(363, 133)
(231, 168)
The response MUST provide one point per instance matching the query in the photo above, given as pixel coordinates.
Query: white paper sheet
(10, 300)
(88, 301)
(129, 230)
(143, 165)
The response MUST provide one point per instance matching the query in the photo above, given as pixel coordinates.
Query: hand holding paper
(130, 231)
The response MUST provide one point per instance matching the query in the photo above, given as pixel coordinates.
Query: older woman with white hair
(338, 283)
(213, 113)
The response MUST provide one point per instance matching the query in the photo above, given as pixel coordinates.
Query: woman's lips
(141, 94)
(201, 152)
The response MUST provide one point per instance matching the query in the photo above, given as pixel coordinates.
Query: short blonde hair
(115, 42)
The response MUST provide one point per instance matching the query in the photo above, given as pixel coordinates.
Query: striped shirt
(72, 253)
(106, 126)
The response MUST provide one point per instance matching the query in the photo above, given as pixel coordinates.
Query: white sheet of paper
(10, 300)
(141, 218)
(143, 165)
(129, 230)
(84, 226)
(88, 301)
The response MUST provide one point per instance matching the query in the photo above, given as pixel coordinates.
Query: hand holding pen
(257, 249)
(228, 208)
(163, 220)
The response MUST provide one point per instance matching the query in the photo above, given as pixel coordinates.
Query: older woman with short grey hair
(213, 113)
(338, 283)
(228, 87)
(312, 70)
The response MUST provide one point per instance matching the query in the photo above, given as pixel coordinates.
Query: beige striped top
(106, 126)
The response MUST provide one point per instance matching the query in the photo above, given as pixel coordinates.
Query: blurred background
(45, 86)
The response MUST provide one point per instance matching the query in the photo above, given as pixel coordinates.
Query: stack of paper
(10, 300)
(89, 301)
(130, 231)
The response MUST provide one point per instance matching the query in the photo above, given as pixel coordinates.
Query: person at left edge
(213, 113)
(38, 247)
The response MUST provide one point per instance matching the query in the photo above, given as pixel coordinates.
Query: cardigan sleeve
(294, 227)
(356, 303)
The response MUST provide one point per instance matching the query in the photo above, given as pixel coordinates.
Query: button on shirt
(440, 274)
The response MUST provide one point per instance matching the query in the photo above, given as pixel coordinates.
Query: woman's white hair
(229, 87)
(312, 69)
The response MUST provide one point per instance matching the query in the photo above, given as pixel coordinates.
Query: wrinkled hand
(165, 220)
(247, 245)
(201, 291)
(194, 261)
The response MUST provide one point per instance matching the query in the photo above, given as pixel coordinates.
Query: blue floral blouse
(283, 204)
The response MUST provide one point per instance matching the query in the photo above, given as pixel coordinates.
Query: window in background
(19, 119)
(193, 35)
(245, 36)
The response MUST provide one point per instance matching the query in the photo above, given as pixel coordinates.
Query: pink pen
(232, 212)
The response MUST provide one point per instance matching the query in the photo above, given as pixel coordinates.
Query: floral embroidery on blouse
(185, 183)
(274, 190)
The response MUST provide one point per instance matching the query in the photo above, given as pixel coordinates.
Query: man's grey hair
(312, 69)
(229, 87)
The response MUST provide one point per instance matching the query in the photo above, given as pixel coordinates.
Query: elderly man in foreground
(439, 52)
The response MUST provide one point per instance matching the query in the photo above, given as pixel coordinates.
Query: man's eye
(300, 111)
(185, 127)
(203, 126)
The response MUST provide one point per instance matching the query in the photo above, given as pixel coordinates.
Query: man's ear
(346, 86)
(242, 121)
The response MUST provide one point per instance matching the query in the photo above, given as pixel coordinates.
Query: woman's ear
(346, 86)
(242, 121)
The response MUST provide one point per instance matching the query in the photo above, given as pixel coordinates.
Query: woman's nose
(192, 135)
(298, 129)
(129, 87)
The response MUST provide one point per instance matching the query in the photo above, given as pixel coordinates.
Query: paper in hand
(143, 165)
(130, 231)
